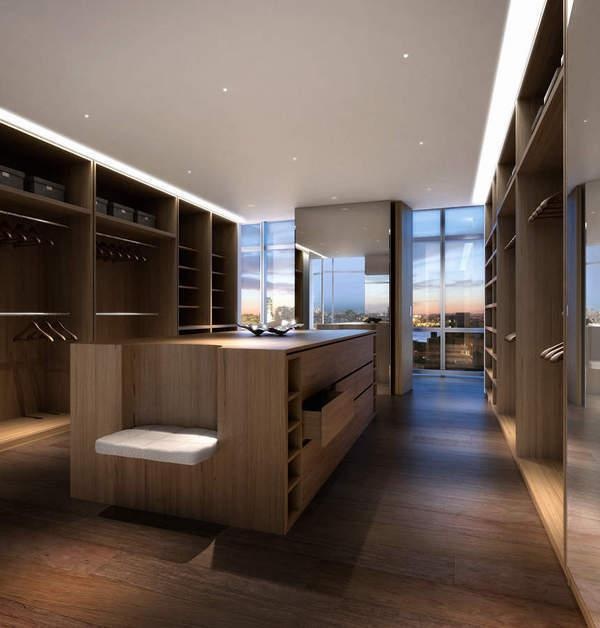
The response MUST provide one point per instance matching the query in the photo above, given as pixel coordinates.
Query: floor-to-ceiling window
(267, 272)
(448, 282)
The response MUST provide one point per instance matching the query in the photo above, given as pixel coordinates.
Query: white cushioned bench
(160, 443)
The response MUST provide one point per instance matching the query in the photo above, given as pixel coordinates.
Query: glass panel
(426, 349)
(328, 290)
(279, 286)
(377, 296)
(426, 284)
(279, 233)
(464, 221)
(250, 273)
(348, 289)
(426, 224)
(464, 279)
(316, 285)
(464, 352)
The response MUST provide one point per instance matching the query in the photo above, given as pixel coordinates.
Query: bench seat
(160, 443)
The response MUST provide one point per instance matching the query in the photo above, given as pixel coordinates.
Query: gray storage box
(11, 177)
(43, 187)
(101, 206)
(145, 219)
(121, 211)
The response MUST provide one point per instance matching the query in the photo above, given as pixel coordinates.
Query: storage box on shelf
(524, 310)
(194, 286)
(45, 273)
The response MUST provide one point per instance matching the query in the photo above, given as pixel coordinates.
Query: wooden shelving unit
(194, 263)
(223, 274)
(295, 441)
(106, 278)
(526, 258)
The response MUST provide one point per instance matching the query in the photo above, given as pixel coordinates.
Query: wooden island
(285, 409)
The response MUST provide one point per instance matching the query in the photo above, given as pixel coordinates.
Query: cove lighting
(519, 31)
(18, 122)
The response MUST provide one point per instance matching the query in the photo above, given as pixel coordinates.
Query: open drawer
(326, 413)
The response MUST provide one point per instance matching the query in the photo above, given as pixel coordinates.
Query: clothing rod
(40, 220)
(120, 239)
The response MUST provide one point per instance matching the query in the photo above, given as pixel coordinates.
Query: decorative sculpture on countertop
(257, 330)
(279, 330)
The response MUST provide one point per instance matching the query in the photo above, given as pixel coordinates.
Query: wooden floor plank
(425, 523)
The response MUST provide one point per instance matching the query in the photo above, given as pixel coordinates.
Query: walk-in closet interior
(300, 313)
(91, 255)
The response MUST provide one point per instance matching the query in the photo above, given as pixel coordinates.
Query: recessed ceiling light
(189, 172)
(86, 115)
(251, 205)
(429, 189)
(405, 55)
(225, 90)
(334, 198)
(421, 143)
(585, 121)
(344, 209)
(294, 158)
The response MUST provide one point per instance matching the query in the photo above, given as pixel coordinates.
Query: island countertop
(298, 340)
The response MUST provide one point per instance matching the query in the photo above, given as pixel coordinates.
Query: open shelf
(119, 227)
(23, 430)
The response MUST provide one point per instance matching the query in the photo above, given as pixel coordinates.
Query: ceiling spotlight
(86, 115)
(225, 90)
(294, 158)
(585, 121)
(251, 205)
(405, 55)
(421, 143)
(333, 198)
(189, 172)
(429, 189)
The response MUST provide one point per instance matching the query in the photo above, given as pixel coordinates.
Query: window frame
(442, 330)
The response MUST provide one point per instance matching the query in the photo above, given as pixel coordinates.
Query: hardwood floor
(425, 523)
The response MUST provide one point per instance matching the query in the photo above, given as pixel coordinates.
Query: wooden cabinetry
(69, 262)
(524, 278)
(270, 460)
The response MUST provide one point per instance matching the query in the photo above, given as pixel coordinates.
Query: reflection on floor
(426, 522)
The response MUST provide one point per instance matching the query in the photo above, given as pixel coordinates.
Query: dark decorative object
(282, 330)
(372, 319)
(257, 330)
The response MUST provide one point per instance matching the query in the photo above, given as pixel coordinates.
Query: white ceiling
(321, 80)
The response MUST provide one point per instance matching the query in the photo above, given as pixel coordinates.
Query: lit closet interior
(90, 255)
(524, 295)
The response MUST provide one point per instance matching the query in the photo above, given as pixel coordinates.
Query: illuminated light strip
(307, 250)
(521, 25)
(37, 130)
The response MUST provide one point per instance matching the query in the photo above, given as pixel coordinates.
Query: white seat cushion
(161, 443)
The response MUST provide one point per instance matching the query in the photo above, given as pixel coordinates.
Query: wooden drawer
(364, 406)
(323, 366)
(357, 382)
(326, 413)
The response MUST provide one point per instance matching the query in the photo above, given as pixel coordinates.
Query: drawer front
(358, 382)
(324, 366)
(325, 424)
(364, 406)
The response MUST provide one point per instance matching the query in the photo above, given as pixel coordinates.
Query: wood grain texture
(402, 278)
(243, 393)
(425, 523)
